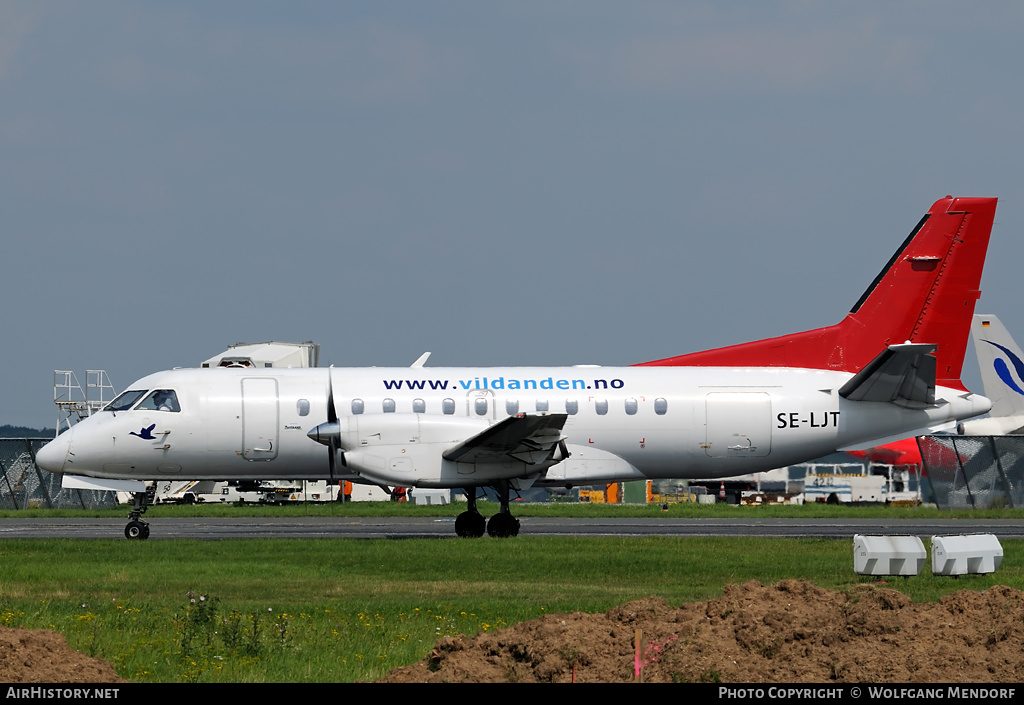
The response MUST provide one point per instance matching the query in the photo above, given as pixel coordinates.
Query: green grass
(337, 610)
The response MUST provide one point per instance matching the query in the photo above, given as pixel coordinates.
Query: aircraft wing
(527, 438)
(902, 374)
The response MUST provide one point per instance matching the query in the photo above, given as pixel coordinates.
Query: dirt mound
(790, 632)
(40, 656)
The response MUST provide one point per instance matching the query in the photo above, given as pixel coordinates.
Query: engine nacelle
(369, 430)
(407, 449)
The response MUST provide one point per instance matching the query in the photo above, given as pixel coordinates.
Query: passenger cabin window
(511, 407)
(125, 400)
(631, 406)
(160, 400)
(601, 406)
(419, 406)
(388, 406)
(542, 405)
(480, 406)
(572, 407)
(358, 406)
(302, 407)
(448, 406)
(660, 406)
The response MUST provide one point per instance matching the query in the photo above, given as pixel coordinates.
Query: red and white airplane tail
(925, 294)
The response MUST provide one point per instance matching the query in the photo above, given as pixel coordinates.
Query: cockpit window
(160, 400)
(125, 400)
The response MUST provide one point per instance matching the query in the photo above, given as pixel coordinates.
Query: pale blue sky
(499, 182)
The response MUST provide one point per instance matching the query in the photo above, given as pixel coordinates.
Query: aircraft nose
(52, 456)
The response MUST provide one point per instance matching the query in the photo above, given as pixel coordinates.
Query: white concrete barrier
(888, 555)
(960, 555)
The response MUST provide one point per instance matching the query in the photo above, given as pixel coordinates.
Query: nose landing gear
(136, 528)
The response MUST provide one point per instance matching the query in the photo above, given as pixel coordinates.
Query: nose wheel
(136, 528)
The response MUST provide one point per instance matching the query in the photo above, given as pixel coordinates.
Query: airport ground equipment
(75, 403)
(272, 353)
(839, 487)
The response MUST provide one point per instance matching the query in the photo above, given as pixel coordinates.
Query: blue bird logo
(146, 433)
(1003, 370)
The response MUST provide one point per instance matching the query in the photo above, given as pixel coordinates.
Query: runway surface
(438, 527)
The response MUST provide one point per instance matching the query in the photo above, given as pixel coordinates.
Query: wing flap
(527, 438)
(901, 374)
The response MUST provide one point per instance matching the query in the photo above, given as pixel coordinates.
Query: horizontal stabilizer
(528, 438)
(902, 374)
(942, 429)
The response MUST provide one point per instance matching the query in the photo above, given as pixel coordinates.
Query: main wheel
(470, 525)
(502, 526)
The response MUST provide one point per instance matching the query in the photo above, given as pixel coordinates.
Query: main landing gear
(470, 524)
(138, 529)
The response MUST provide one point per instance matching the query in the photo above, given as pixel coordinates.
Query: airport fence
(23, 485)
(975, 472)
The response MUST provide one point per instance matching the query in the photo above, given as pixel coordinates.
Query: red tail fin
(925, 294)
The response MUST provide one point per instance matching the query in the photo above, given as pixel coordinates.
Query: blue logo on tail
(1004, 372)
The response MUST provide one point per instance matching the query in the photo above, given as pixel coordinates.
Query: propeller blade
(332, 420)
(329, 433)
(332, 413)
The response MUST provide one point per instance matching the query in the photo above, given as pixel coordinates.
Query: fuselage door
(739, 424)
(259, 418)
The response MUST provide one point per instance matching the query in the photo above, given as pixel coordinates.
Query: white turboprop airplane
(1003, 386)
(891, 368)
